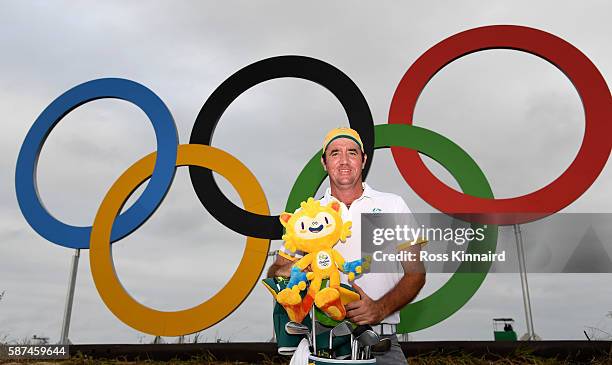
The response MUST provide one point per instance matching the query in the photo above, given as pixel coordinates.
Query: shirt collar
(368, 192)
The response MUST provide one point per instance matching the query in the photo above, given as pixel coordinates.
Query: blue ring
(25, 175)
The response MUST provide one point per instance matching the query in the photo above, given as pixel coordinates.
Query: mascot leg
(291, 300)
(313, 289)
(328, 299)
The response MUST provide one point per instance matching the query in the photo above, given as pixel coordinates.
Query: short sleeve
(402, 207)
(286, 253)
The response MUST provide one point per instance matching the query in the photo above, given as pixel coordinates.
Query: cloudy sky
(515, 114)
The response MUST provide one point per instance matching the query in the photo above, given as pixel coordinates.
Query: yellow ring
(223, 303)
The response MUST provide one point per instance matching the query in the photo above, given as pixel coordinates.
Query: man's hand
(284, 271)
(282, 267)
(368, 311)
(365, 310)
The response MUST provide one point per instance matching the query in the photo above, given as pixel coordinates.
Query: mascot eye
(302, 225)
(326, 221)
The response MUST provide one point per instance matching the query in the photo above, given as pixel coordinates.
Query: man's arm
(407, 288)
(280, 267)
(369, 311)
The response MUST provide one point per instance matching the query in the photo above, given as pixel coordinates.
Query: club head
(294, 328)
(342, 329)
(383, 345)
(368, 338)
(357, 331)
(320, 328)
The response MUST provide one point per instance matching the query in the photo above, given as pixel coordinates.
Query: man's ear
(365, 158)
(284, 218)
(323, 163)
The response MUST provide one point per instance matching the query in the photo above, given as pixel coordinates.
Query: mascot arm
(338, 259)
(304, 262)
(298, 277)
(346, 231)
(352, 268)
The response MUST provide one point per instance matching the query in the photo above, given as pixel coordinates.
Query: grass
(461, 358)
(84, 360)
(519, 357)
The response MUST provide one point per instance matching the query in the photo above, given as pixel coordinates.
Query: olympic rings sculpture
(406, 142)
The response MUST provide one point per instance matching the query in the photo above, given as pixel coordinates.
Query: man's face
(344, 162)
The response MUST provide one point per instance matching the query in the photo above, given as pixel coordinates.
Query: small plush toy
(315, 230)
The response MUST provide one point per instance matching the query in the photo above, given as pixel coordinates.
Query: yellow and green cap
(342, 133)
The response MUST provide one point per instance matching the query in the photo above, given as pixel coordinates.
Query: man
(382, 294)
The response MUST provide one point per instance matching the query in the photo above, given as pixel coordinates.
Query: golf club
(342, 329)
(314, 330)
(383, 345)
(367, 338)
(294, 328)
(357, 331)
(320, 328)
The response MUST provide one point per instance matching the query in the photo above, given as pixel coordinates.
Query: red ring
(572, 183)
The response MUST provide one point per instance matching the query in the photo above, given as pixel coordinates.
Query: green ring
(464, 283)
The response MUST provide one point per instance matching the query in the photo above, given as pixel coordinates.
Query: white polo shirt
(375, 285)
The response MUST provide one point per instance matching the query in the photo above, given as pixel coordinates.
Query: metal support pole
(69, 297)
(524, 284)
(273, 339)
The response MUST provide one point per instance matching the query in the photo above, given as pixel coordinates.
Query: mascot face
(313, 227)
(309, 228)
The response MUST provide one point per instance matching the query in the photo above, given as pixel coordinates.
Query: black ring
(312, 69)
